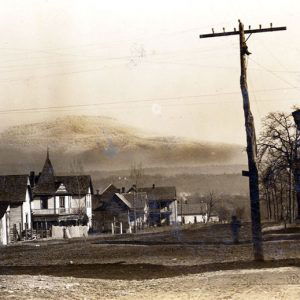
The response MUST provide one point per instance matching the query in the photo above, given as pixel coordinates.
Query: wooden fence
(17, 234)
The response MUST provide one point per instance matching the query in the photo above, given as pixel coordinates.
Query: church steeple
(47, 153)
(47, 174)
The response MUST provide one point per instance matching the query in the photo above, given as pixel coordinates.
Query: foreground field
(193, 263)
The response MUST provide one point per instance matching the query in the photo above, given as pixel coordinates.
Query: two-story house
(15, 207)
(60, 200)
(162, 204)
(115, 208)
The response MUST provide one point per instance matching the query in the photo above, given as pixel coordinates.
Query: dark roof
(192, 209)
(48, 183)
(134, 201)
(106, 196)
(47, 174)
(122, 198)
(159, 193)
(96, 201)
(108, 192)
(13, 188)
(126, 200)
(3, 208)
(46, 188)
(77, 184)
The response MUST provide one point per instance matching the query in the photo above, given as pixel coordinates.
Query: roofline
(111, 184)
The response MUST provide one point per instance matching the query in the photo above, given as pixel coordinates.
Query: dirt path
(93, 269)
(279, 283)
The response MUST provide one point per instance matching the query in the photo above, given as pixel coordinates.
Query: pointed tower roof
(46, 181)
(48, 171)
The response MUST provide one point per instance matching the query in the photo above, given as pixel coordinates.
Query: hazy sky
(143, 63)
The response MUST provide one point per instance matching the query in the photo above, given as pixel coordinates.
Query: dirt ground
(197, 262)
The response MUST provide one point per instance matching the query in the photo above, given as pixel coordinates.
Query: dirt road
(199, 265)
(279, 283)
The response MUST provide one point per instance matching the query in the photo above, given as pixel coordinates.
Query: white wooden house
(162, 204)
(192, 213)
(15, 207)
(61, 200)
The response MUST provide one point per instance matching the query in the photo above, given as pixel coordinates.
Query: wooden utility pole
(250, 133)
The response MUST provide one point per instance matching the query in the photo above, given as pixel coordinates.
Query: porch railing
(58, 211)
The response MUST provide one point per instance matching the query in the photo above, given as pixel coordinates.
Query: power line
(142, 101)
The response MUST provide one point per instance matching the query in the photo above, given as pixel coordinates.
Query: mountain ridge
(103, 142)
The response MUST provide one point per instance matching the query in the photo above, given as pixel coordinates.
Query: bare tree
(277, 153)
(224, 214)
(211, 202)
(76, 166)
(137, 177)
(137, 174)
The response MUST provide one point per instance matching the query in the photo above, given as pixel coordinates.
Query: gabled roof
(105, 196)
(110, 189)
(123, 199)
(137, 200)
(192, 209)
(77, 184)
(131, 201)
(48, 183)
(159, 193)
(13, 188)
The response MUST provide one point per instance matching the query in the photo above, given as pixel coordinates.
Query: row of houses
(40, 201)
(134, 209)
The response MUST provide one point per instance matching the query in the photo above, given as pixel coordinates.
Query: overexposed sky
(143, 63)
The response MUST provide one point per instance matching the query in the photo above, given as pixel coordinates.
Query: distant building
(192, 213)
(15, 207)
(162, 204)
(149, 206)
(125, 212)
(60, 200)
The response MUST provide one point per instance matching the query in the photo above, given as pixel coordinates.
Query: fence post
(112, 228)
(20, 231)
(26, 231)
(15, 232)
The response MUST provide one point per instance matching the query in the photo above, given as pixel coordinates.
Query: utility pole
(250, 132)
(296, 116)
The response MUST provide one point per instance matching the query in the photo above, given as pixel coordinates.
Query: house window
(62, 201)
(44, 202)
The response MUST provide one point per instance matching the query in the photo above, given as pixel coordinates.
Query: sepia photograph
(149, 149)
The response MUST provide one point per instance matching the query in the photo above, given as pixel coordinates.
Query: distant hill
(101, 143)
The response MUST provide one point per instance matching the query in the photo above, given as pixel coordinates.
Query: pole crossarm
(235, 32)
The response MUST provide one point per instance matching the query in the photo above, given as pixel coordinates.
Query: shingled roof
(192, 209)
(13, 188)
(48, 183)
(76, 184)
(134, 201)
